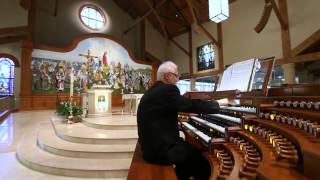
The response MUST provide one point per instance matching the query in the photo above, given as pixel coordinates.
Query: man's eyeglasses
(176, 75)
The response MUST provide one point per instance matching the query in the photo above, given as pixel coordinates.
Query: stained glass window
(206, 57)
(6, 76)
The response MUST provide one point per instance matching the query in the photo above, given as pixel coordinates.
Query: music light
(272, 116)
(250, 128)
(218, 10)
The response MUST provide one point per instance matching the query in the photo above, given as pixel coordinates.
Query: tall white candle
(71, 84)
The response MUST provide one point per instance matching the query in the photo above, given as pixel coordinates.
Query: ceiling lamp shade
(218, 10)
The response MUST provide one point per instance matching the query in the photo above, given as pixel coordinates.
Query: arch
(9, 56)
(76, 40)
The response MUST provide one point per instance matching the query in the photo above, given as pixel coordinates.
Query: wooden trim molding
(209, 72)
(9, 56)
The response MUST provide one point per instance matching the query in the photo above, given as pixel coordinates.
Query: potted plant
(63, 109)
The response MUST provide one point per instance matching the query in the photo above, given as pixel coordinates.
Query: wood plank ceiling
(174, 15)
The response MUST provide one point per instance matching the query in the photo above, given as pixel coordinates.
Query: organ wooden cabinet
(274, 136)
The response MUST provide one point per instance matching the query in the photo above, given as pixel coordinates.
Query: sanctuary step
(48, 141)
(113, 122)
(78, 150)
(81, 133)
(29, 154)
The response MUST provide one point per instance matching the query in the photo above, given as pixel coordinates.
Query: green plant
(64, 109)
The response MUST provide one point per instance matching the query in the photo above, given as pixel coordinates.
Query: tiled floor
(12, 131)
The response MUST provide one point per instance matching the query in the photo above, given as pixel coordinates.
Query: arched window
(92, 17)
(6, 76)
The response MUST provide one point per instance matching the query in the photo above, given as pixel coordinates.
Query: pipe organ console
(267, 136)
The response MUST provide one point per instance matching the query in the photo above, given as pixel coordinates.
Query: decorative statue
(60, 76)
(83, 77)
(98, 77)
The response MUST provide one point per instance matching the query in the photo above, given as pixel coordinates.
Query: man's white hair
(166, 67)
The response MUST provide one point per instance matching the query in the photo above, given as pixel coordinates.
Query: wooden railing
(6, 106)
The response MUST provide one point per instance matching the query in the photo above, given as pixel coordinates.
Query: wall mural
(95, 61)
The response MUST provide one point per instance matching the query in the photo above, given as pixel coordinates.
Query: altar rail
(43, 102)
(6, 106)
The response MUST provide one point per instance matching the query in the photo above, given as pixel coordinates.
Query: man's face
(172, 77)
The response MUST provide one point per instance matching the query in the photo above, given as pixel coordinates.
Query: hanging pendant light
(218, 10)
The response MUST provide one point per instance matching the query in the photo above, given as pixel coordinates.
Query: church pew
(142, 170)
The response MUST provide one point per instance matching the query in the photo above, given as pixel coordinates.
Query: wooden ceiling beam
(299, 59)
(144, 16)
(9, 39)
(180, 13)
(172, 20)
(13, 30)
(199, 25)
(265, 17)
(311, 40)
(55, 13)
(283, 22)
(193, 15)
(162, 25)
(26, 4)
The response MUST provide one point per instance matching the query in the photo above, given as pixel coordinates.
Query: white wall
(240, 41)
(60, 30)
(200, 38)
(175, 54)
(304, 19)
(155, 43)
(13, 15)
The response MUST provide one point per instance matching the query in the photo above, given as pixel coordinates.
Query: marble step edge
(109, 126)
(88, 140)
(48, 141)
(36, 159)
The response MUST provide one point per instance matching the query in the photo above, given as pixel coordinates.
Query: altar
(131, 102)
(98, 102)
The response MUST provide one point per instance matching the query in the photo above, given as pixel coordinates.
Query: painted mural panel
(97, 61)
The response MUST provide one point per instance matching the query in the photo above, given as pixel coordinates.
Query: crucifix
(90, 60)
(89, 57)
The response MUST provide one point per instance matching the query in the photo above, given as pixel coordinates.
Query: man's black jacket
(157, 118)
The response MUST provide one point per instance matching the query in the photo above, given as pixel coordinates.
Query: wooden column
(289, 71)
(143, 39)
(220, 47)
(26, 58)
(26, 74)
(190, 53)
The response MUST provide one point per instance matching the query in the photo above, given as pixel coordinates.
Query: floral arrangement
(64, 109)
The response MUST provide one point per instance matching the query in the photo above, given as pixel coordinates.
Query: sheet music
(237, 76)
